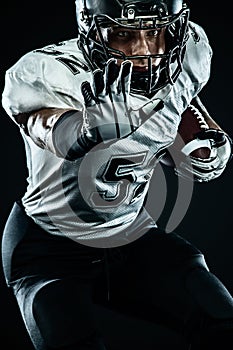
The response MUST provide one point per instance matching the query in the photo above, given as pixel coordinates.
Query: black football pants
(161, 276)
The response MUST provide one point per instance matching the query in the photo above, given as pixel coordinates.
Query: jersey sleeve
(44, 79)
(197, 59)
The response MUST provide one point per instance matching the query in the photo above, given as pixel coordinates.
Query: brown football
(192, 122)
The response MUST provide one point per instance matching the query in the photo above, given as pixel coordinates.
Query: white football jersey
(97, 199)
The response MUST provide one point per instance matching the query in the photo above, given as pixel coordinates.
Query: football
(186, 142)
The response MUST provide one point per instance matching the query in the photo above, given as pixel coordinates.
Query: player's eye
(154, 32)
(123, 34)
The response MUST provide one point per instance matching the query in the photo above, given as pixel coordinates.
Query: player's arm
(221, 148)
(205, 149)
(58, 130)
(106, 116)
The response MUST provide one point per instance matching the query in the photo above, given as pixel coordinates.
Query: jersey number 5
(121, 173)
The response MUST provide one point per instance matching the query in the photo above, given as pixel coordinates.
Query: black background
(27, 25)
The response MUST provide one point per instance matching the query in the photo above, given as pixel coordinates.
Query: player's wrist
(68, 139)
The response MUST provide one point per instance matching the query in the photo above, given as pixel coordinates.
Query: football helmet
(95, 15)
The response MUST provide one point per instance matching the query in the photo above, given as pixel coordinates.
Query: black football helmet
(173, 15)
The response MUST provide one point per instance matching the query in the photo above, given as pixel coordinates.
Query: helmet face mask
(155, 15)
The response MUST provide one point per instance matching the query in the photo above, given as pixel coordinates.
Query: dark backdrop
(27, 25)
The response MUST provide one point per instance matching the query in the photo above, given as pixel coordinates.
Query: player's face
(136, 42)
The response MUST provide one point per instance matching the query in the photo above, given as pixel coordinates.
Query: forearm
(57, 130)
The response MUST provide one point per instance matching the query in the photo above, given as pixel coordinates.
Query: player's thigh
(156, 270)
(56, 312)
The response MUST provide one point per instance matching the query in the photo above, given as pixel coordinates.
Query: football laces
(199, 116)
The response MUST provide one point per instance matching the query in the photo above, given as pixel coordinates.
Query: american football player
(97, 113)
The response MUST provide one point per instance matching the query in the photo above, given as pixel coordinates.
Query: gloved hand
(220, 142)
(211, 168)
(217, 136)
(107, 113)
